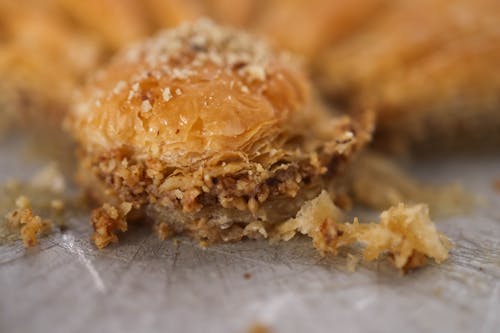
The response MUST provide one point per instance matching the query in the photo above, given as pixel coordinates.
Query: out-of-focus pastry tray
(145, 285)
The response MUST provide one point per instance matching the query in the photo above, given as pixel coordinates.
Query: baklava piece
(209, 132)
(430, 68)
(43, 58)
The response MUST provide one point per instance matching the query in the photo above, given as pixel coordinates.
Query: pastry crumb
(405, 233)
(28, 225)
(106, 221)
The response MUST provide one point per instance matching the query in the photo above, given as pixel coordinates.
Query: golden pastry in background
(42, 59)
(309, 27)
(431, 69)
(209, 132)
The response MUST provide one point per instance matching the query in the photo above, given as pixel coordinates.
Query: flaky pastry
(207, 129)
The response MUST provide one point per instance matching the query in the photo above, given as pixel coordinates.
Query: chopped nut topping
(167, 95)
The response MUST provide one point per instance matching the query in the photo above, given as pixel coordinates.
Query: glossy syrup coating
(190, 92)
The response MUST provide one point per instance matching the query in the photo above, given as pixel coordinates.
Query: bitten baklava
(207, 131)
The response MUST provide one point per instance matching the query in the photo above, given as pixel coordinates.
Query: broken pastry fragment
(405, 233)
(207, 131)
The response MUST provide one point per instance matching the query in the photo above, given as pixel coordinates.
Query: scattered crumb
(247, 276)
(405, 233)
(259, 328)
(163, 231)
(24, 222)
(106, 221)
(352, 262)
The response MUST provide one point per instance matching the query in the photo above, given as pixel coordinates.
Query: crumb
(247, 276)
(163, 231)
(29, 225)
(259, 328)
(203, 244)
(405, 233)
(106, 221)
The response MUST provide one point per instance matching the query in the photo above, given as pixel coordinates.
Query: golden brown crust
(204, 127)
(216, 89)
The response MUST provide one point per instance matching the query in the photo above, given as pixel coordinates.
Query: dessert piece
(309, 27)
(210, 132)
(42, 59)
(115, 23)
(429, 68)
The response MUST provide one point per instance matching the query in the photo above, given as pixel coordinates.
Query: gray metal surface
(146, 285)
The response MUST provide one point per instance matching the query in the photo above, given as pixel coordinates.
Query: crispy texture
(430, 69)
(106, 221)
(405, 233)
(204, 127)
(22, 220)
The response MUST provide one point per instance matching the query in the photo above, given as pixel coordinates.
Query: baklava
(206, 130)
(429, 68)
